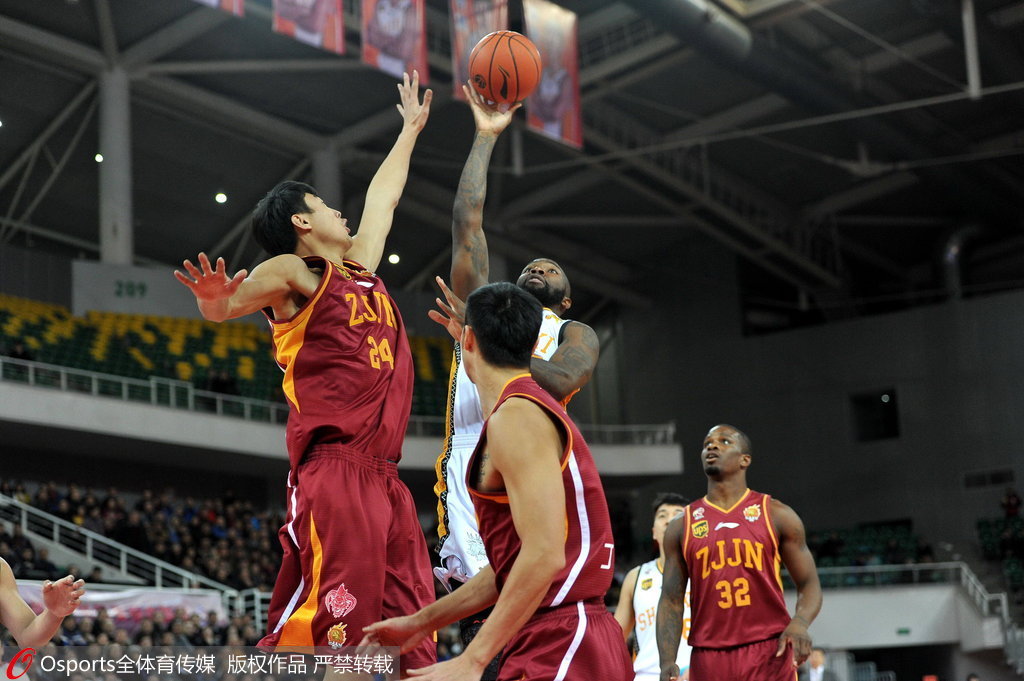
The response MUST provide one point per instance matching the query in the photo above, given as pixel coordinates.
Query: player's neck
(491, 381)
(330, 252)
(725, 493)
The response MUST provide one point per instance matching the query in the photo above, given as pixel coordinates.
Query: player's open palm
(210, 282)
(62, 597)
(489, 119)
(452, 311)
(414, 112)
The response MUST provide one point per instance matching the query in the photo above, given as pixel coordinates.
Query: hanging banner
(236, 7)
(471, 21)
(319, 23)
(554, 108)
(395, 36)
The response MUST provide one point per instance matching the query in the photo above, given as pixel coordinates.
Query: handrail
(954, 572)
(175, 394)
(97, 548)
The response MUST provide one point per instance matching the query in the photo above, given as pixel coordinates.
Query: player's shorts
(751, 662)
(574, 642)
(354, 554)
(469, 627)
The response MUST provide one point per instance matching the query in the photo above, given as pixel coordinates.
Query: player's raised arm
(800, 563)
(221, 297)
(671, 605)
(389, 181)
(470, 266)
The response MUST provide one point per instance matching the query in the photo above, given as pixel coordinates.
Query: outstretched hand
(62, 597)
(490, 120)
(452, 314)
(210, 283)
(413, 112)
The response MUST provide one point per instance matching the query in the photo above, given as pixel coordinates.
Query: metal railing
(989, 605)
(97, 548)
(255, 603)
(167, 392)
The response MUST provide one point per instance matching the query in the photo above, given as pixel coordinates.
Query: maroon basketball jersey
(347, 367)
(732, 556)
(589, 547)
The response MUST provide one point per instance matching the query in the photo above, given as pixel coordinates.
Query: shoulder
(785, 519)
(574, 329)
(629, 581)
(518, 411)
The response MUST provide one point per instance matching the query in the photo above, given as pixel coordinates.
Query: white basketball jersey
(462, 549)
(645, 611)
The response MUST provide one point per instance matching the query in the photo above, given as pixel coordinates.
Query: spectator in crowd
(814, 669)
(1011, 503)
(19, 351)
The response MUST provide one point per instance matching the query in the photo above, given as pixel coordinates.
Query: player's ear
(566, 303)
(300, 222)
(468, 341)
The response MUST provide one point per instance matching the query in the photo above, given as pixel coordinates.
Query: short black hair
(506, 321)
(272, 219)
(670, 498)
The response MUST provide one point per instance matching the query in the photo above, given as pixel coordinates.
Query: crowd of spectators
(224, 539)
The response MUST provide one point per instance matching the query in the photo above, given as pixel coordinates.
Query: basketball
(504, 67)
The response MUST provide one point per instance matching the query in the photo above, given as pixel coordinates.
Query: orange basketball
(504, 67)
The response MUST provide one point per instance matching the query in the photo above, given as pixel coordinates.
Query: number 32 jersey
(348, 370)
(732, 556)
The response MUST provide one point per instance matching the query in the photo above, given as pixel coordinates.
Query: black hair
(670, 498)
(272, 218)
(506, 321)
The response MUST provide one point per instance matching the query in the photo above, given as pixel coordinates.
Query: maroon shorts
(354, 554)
(751, 662)
(575, 642)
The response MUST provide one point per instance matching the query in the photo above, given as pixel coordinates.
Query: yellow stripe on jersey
(288, 338)
(441, 467)
(298, 630)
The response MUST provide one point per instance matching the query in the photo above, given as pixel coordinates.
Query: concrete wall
(957, 368)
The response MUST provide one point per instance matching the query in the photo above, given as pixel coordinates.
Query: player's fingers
(205, 262)
(183, 279)
(782, 646)
(192, 269)
(79, 584)
(428, 97)
(517, 107)
(415, 82)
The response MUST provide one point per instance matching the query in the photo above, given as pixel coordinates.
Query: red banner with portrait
(236, 7)
(319, 23)
(472, 20)
(395, 36)
(554, 107)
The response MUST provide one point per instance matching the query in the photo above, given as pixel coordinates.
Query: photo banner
(319, 23)
(554, 107)
(395, 36)
(236, 7)
(472, 20)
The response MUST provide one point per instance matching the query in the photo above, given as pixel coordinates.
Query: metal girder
(861, 193)
(509, 247)
(551, 193)
(656, 221)
(172, 36)
(70, 53)
(108, 36)
(67, 239)
(269, 128)
(246, 66)
(47, 132)
(217, 249)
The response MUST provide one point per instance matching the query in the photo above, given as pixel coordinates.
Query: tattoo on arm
(469, 198)
(571, 366)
